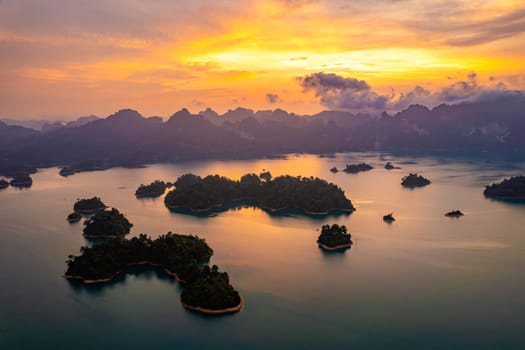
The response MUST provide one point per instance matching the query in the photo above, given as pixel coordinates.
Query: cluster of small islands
(185, 257)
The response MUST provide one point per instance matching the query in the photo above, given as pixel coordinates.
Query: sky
(64, 59)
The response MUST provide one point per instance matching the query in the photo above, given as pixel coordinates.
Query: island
(334, 170)
(390, 166)
(414, 180)
(3, 184)
(512, 188)
(389, 218)
(356, 168)
(107, 224)
(22, 181)
(454, 214)
(206, 290)
(334, 237)
(89, 205)
(88, 165)
(211, 293)
(74, 217)
(154, 189)
(97, 165)
(213, 192)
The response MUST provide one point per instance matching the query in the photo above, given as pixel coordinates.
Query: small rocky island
(206, 290)
(74, 217)
(154, 189)
(89, 205)
(356, 168)
(107, 224)
(389, 217)
(3, 184)
(454, 214)
(213, 192)
(334, 170)
(22, 181)
(513, 188)
(334, 237)
(390, 166)
(414, 180)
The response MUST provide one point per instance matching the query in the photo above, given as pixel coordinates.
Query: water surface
(423, 282)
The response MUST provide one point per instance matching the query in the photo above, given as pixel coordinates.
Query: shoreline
(88, 211)
(521, 198)
(229, 310)
(149, 195)
(170, 273)
(108, 279)
(338, 247)
(273, 210)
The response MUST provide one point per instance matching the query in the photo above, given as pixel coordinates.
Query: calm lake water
(423, 282)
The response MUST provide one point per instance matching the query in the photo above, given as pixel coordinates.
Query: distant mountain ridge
(47, 125)
(126, 137)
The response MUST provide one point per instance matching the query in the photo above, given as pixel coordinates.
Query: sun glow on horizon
(223, 55)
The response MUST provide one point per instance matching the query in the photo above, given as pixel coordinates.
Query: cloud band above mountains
(348, 93)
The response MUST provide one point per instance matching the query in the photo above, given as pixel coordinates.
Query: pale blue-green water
(423, 282)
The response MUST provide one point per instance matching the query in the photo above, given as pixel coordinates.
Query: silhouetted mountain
(47, 125)
(127, 137)
(82, 121)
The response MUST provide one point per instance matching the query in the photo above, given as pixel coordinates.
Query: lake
(423, 282)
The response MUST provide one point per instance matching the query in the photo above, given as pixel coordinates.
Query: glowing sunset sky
(62, 58)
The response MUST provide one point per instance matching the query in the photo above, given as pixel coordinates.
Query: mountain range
(128, 138)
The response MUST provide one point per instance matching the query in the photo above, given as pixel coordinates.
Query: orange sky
(71, 58)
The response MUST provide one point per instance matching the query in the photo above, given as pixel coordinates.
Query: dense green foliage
(212, 290)
(107, 223)
(154, 189)
(22, 181)
(312, 195)
(513, 188)
(334, 236)
(89, 205)
(3, 184)
(356, 168)
(180, 254)
(414, 180)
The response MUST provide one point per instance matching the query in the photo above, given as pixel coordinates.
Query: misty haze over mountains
(127, 137)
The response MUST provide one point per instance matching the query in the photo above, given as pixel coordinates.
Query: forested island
(334, 237)
(154, 189)
(3, 184)
(513, 188)
(107, 224)
(356, 168)
(214, 192)
(89, 205)
(74, 217)
(414, 180)
(22, 181)
(181, 256)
